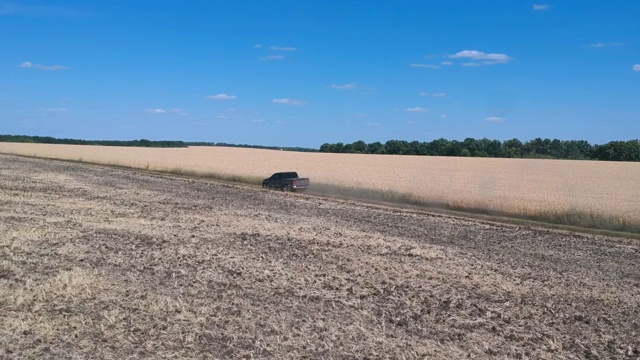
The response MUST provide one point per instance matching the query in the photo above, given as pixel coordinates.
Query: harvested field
(104, 263)
(584, 193)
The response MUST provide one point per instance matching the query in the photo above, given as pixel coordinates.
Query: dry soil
(104, 263)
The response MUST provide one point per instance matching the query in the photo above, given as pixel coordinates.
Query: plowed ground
(104, 263)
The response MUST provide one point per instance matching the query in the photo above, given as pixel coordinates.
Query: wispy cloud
(541, 7)
(494, 119)
(257, 46)
(179, 112)
(481, 58)
(479, 55)
(429, 66)
(440, 94)
(56, 110)
(166, 111)
(271, 57)
(603, 45)
(288, 101)
(30, 65)
(416, 109)
(636, 67)
(222, 97)
(34, 10)
(282, 48)
(446, 63)
(373, 124)
(349, 86)
(257, 120)
(156, 111)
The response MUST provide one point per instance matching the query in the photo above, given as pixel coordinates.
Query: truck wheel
(285, 188)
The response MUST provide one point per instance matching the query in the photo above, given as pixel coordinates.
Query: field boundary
(574, 221)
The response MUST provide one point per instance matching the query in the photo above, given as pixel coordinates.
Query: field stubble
(107, 263)
(582, 193)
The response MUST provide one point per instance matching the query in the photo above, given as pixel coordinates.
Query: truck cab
(286, 181)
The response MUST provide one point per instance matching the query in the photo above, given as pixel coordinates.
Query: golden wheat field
(507, 186)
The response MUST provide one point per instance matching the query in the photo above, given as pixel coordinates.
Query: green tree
(397, 147)
(359, 147)
(375, 148)
(512, 148)
(618, 151)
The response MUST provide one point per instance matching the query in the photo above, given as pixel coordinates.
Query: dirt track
(104, 263)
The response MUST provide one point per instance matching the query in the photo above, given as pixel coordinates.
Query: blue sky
(302, 73)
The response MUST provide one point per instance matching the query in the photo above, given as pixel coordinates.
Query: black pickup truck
(286, 181)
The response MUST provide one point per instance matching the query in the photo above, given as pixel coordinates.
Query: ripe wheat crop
(590, 193)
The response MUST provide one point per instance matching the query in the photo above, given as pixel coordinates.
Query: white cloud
(373, 124)
(278, 48)
(257, 120)
(30, 65)
(271, 57)
(429, 66)
(257, 46)
(288, 101)
(222, 97)
(440, 94)
(636, 67)
(350, 86)
(56, 110)
(481, 58)
(603, 45)
(156, 111)
(479, 55)
(447, 63)
(494, 119)
(416, 109)
(541, 7)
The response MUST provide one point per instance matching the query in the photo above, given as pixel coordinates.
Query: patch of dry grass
(584, 193)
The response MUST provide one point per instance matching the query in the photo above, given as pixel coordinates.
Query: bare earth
(104, 263)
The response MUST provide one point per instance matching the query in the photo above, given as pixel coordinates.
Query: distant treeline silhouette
(138, 143)
(52, 140)
(536, 149)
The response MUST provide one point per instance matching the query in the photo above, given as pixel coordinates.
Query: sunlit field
(524, 187)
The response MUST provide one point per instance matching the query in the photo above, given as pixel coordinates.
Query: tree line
(536, 149)
(138, 143)
(53, 140)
